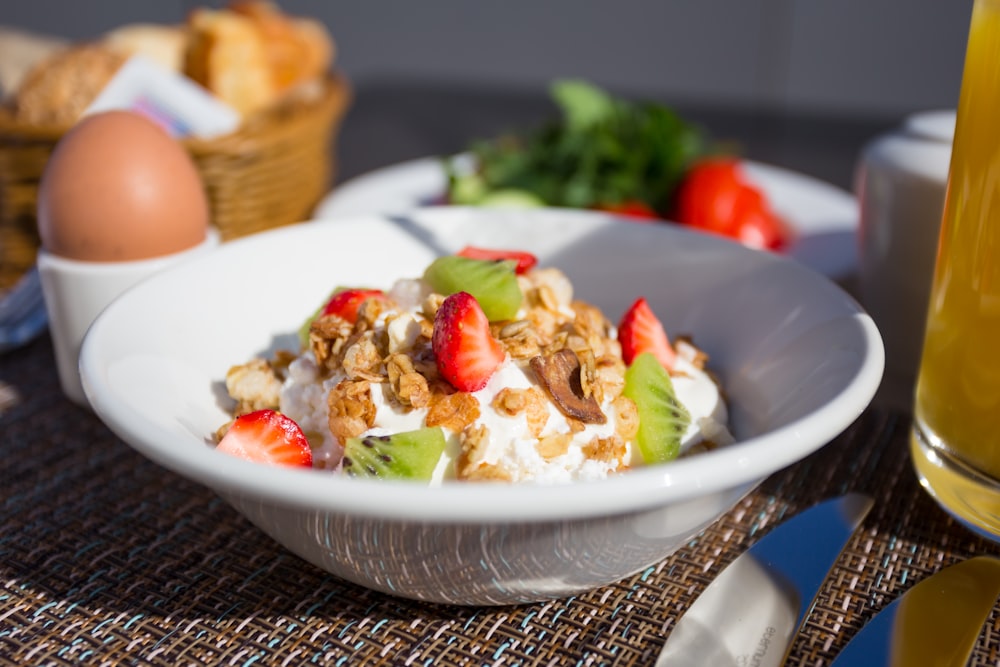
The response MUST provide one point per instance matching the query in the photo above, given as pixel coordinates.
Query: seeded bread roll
(19, 52)
(60, 88)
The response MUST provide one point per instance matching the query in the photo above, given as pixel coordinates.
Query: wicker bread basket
(271, 172)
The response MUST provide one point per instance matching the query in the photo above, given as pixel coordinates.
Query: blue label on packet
(161, 114)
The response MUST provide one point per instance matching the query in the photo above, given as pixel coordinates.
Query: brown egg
(118, 188)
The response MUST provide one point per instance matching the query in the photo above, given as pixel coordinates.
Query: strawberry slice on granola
(346, 303)
(525, 260)
(466, 352)
(641, 331)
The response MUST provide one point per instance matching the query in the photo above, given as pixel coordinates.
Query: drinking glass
(955, 441)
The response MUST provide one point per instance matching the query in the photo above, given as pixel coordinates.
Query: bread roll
(227, 55)
(163, 44)
(320, 47)
(60, 88)
(298, 50)
(20, 51)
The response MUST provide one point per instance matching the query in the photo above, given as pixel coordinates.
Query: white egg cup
(77, 291)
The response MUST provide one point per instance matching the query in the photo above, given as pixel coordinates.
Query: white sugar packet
(175, 102)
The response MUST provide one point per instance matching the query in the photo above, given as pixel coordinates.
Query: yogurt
(512, 446)
(515, 428)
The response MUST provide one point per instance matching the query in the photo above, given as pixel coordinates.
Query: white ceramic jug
(900, 182)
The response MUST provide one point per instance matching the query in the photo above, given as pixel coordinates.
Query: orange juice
(956, 439)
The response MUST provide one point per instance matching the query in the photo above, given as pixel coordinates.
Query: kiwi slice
(492, 283)
(408, 455)
(662, 418)
(304, 327)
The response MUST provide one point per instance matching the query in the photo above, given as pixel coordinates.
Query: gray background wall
(847, 57)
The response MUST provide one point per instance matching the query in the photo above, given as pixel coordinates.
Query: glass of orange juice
(955, 441)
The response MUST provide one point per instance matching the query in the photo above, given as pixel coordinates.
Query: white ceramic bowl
(797, 356)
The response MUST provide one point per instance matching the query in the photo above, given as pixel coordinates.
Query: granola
(553, 410)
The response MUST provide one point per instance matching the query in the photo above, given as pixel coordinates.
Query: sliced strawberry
(345, 304)
(467, 353)
(525, 260)
(267, 436)
(640, 331)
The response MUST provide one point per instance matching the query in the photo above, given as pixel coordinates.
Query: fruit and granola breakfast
(638, 159)
(484, 368)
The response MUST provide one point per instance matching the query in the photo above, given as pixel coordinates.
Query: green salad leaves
(603, 152)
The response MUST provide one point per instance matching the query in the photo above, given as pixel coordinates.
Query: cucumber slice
(511, 198)
(466, 189)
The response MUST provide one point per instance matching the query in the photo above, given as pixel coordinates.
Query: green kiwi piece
(408, 455)
(304, 328)
(492, 283)
(662, 418)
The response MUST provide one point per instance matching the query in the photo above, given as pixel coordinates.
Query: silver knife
(935, 623)
(749, 614)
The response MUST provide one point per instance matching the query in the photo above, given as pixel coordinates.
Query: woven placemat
(106, 558)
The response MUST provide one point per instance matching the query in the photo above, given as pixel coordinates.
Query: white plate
(823, 217)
